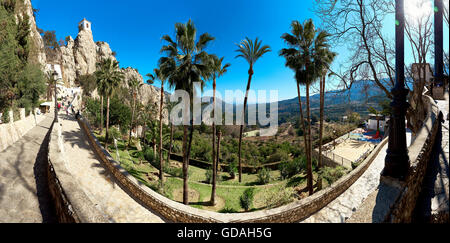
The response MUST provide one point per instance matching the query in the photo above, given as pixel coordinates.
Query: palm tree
(323, 59)
(50, 78)
(111, 78)
(170, 106)
(251, 52)
(159, 75)
(306, 46)
(218, 70)
(185, 63)
(134, 86)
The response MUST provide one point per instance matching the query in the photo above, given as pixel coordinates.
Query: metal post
(397, 160)
(55, 77)
(438, 42)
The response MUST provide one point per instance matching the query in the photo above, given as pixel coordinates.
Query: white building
(84, 25)
(371, 124)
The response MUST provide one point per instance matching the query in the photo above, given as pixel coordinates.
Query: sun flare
(418, 9)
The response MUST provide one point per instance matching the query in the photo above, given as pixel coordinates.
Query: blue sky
(134, 29)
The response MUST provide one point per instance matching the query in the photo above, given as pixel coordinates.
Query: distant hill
(338, 103)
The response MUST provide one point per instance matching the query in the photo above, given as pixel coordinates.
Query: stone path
(24, 195)
(93, 179)
(342, 208)
(434, 198)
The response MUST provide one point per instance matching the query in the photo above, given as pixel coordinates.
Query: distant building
(428, 72)
(372, 122)
(84, 25)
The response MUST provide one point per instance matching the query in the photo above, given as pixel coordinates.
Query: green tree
(306, 45)
(88, 82)
(251, 52)
(134, 85)
(218, 70)
(185, 63)
(170, 106)
(159, 75)
(110, 77)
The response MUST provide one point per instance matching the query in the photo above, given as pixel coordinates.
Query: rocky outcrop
(85, 52)
(68, 62)
(104, 51)
(147, 93)
(37, 52)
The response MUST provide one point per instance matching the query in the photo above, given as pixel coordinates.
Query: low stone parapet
(71, 203)
(12, 131)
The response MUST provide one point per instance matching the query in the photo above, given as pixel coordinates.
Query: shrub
(332, 174)
(233, 168)
(209, 176)
(264, 176)
(280, 155)
(246, 199)
(5, 116)
(291, 168)
(276, 198)
(113, 133)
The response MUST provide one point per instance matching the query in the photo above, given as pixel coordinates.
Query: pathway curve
(24, 196)
(96, 182)
(342, 208)
(434, 198)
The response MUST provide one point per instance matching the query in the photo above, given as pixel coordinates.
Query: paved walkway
(342, 208)
(93, 179)
(24, 196)
(434, 198)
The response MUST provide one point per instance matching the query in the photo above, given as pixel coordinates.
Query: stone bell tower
(84, 25)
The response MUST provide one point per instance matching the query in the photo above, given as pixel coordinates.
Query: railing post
(438, 42)
(397, 160)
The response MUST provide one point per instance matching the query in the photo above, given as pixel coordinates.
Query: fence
(338, 159)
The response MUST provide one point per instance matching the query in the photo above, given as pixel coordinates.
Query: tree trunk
(309, 164)
(214, 166)
(185, 168)
(213, 192)
(250, 74)
(161, 174)
(322, 101)
(132, 118)
(101, 115)
(107, 123)
(170, 144)
(302, 120)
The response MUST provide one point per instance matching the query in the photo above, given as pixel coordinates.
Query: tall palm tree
(170, 106)
(218, 69)
(306, 46)
(323, 59)
(134, 86)
(251, 52)
(111, 78)
(50, 80)
(186, 62)
(159, 75)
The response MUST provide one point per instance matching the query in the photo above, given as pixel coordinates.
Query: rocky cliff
(37, 53)
(79, 57)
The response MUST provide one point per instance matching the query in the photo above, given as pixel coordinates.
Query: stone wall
(72, 204)
(419, 155)
(177, 212)
(13, 131)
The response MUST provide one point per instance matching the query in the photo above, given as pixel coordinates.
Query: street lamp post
(397, 160)
(55, 77)
(438, 42)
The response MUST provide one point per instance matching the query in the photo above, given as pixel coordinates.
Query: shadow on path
(46, 204)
